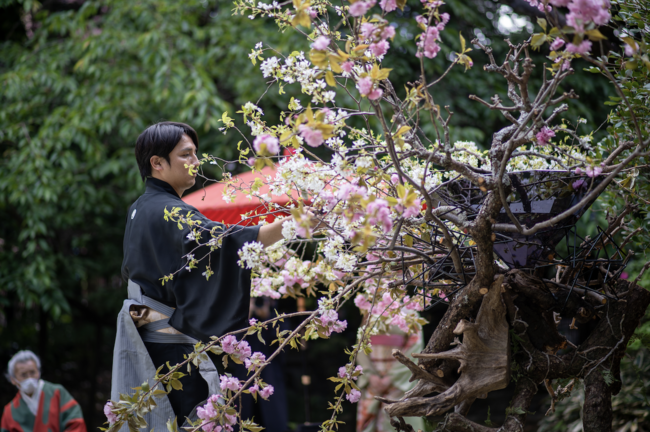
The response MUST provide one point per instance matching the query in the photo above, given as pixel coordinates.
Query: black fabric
(195, 389)
(154, 248)
(272, 414)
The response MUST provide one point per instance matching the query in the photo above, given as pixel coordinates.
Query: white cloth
(33, 400)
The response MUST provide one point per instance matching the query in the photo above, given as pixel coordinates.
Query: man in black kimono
(169, 318)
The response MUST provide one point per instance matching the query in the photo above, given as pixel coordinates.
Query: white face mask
(29, 386)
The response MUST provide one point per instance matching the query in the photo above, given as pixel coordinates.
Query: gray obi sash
(132, 365)
(148, 331)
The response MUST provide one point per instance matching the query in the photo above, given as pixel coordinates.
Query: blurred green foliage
(632, 19)
(631, 407)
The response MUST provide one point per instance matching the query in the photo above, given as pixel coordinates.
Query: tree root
(484, 357)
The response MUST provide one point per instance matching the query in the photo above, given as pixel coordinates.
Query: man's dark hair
(159, 140)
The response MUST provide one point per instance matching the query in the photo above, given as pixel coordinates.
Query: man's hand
(271, 233)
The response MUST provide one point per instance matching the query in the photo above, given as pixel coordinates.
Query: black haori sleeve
(154, 248)
(219, 305)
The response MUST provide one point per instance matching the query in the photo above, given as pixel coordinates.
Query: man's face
(174, 171)
(25, 370)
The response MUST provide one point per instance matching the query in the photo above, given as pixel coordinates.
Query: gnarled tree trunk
(484, 354)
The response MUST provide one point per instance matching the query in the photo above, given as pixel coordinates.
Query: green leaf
(538, 40)
(595, 35)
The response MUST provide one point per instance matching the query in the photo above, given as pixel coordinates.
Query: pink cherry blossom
(361, 7)
(379, 213)
(206, 413)
(388, 5)
(243, 350)
(328, 317)
(207, 426)
(593, 171)
(347, 66)
(255, 361)
(254, 389)
(353, 396)
(266, 391)
(343, 372)
(339, 274)
(266, 144)
(580, 183)
(379, 48)
(400, 321)
(582, 12)
(444, 17)
(412, 304)
(388, 32)
(578, 171)
(539, 5)
(428, 45)
(375, 94)
(367, 29)
(339, 326)
(329, 320)
(312, 137)
(252, 321)
(264, 287)
(410, 211)
(230, 383)
(544, 135)
(557, 44)
(364, 85)
(312, 12)
(560, 3)
(631, 50)
(565, 63)
(229, 344)
(387, 304)
(347, 190)
(321, 43)
(431, 3)
(110, 416)
(583, 48)
(362, 303)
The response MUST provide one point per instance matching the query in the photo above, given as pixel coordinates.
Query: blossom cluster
(429, 42)
(108, 412)
(297, 69)
(329, 321)
(238, 349)
(388, 311)
(582, 14)
(209, 415)
(377, 35)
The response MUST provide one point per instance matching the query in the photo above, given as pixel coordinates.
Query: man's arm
(271, 233)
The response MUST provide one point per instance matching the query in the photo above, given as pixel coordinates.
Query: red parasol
(209, 200)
